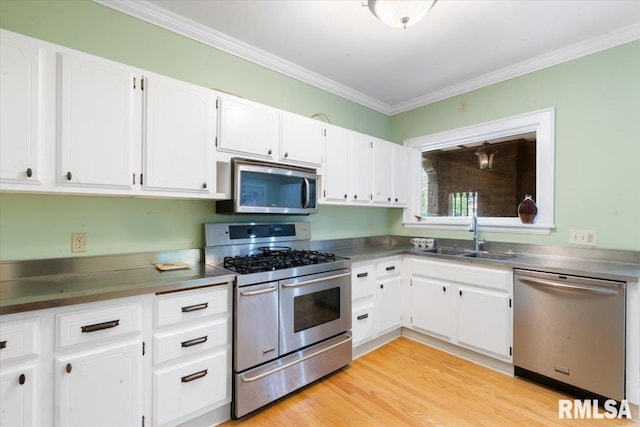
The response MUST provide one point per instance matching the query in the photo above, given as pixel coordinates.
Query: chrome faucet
(478, 245)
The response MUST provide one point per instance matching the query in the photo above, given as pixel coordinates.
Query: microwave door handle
(306, 194)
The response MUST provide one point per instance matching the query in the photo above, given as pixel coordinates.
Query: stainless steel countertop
(39, 284)
(76, 285)
(603, 264)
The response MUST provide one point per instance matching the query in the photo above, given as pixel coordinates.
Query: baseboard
(375, 343)
(470, 355)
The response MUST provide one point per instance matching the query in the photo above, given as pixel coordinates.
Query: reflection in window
(454, 185)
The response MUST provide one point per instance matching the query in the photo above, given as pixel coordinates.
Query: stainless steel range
(292, 309)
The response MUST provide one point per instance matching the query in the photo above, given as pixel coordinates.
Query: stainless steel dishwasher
(569, 332)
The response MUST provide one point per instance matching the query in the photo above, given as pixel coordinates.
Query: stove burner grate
(275, 258)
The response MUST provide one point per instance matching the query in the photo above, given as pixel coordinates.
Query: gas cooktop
(275, 258)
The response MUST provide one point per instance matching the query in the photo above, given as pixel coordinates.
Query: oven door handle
(294, 362)
(260, 292)
(312, 281)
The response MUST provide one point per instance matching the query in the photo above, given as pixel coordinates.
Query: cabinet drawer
(363, 281)
(389, 267)
(171, 345)
(187, 305)
(362, 324)
(19, 338)
(186, 388)
(97, 324)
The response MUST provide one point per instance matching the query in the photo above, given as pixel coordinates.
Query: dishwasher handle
(568, 286)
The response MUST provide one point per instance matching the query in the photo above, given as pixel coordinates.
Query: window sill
(496, 225)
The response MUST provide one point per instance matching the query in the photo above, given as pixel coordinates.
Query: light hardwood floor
(408, 383)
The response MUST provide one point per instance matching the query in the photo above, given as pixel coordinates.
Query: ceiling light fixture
(400, 13)
(485, 156)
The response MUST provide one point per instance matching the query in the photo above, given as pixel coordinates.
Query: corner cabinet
(467, 305)
(376, 293)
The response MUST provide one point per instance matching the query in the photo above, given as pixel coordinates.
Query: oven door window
(315, 309)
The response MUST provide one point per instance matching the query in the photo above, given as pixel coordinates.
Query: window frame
(542, 122)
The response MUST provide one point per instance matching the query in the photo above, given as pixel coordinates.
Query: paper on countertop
(167, 266)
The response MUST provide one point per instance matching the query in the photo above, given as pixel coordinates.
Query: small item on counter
(168, 266)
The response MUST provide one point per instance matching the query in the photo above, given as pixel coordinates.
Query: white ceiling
(341, 47)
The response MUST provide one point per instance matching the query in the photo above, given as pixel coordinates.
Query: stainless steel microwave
(270, 188)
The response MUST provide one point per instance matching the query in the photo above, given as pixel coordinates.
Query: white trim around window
(543, 123)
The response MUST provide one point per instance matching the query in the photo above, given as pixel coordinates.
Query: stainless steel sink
(489, 255)
(446, 251)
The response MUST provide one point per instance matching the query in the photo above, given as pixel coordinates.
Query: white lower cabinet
(376, 293)
(483, 320)
(431, 306)
(466, 305)
(146, 360)
(18, 396)
(100, 387)
(191, 354)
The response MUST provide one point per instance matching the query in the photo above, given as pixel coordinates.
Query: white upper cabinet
(179, 136)
(360, 168)
(402, 166)
(24, 68)
(382, 171)
(301, 140)
(247, 128)
(97, 132)
(335, 178)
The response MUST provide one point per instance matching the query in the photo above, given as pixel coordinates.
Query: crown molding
(584, 48)
(168, 20)
(149, 12)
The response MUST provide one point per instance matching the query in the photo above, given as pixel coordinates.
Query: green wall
(597, 101)
(40, 226)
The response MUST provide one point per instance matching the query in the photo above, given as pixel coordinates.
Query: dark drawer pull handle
(22, 379)
(393, 267)
(193, 377)
(68, 368)
(100, 326)
(363, 316)
(3, 344)
(29, 172)
(362, 274)
(69, 176)
(195, 307)
(444, 289)
(195, 341)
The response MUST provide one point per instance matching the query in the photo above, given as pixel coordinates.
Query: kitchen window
(450, 186)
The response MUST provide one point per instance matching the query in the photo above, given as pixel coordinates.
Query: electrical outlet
(583, 237)
(372, 229)
(78, 242)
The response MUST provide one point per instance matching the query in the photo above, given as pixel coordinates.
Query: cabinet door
(179, 136)
(389, 304)
(22, 68)
(383, 169)
(431, 308)
(484, 321)
(97, 123)
(99, 388)
(402, 165)
(360, 169)
(247, 128)
(18, 396)
(335, 180)
(301, 140)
